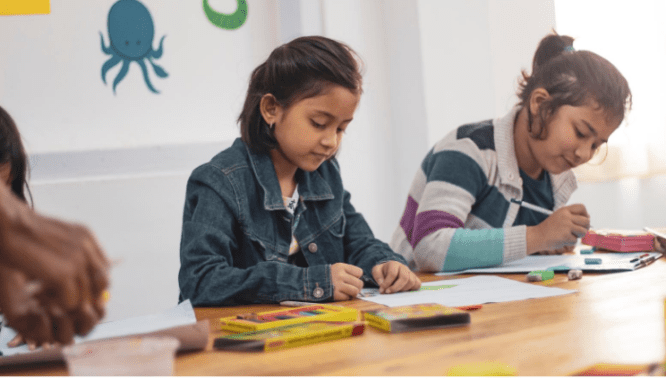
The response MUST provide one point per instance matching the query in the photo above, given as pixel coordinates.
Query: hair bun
(550, 47)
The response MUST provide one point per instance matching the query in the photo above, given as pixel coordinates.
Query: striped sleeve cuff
(515, 243)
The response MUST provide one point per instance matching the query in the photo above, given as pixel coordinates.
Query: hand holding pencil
(562, 228)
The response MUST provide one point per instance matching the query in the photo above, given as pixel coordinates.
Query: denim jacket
(236, 233)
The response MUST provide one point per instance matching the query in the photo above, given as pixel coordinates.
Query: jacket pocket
(261, 251)
(337, 228)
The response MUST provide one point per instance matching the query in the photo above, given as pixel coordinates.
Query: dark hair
(573, 78)
(302, 68)
(13, 153)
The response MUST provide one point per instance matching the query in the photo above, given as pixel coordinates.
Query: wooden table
(614, 318)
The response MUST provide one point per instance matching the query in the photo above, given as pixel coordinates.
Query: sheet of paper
(609, 262)
(473, 290)
(180, 322)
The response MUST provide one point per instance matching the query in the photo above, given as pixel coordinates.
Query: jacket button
(318, 292)
(312, 247)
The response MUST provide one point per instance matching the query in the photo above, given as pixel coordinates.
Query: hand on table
(393, 276)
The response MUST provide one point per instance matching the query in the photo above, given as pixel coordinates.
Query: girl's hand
(660, 244)
(562, 250)
(562, 228)
(393, 277)
(347, 281)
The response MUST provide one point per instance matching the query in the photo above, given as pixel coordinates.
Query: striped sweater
(458, 213)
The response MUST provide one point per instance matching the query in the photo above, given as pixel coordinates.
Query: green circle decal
(225, 21)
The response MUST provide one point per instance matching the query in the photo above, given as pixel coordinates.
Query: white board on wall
(51, 83)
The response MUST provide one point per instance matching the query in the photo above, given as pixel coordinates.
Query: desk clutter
(294, 327)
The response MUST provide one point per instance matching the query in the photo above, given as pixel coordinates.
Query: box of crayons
(289, 336)
(416, 317)
(287, 316)
(628, 241)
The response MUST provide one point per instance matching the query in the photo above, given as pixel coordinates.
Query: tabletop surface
(614, 318)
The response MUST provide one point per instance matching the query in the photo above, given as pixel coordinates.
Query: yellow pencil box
(287, 316)
(416, 317)
(289, 336)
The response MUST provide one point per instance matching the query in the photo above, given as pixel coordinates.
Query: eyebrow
(594, 132)
(331, 116)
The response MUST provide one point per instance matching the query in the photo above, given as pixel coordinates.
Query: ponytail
(572, 78)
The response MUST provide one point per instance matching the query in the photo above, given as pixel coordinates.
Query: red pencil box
(620, 240)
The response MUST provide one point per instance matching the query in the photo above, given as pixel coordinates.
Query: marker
(535, 208)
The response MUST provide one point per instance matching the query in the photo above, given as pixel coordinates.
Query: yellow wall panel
(25, 7)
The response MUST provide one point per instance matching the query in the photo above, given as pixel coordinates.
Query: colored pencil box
(287, 316)
(416, 317)
(289, 336)
(620, 240)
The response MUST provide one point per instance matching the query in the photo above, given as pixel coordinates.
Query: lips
(321, 155)
(570, 164)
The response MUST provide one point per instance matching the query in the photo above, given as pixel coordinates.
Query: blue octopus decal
(131, 33)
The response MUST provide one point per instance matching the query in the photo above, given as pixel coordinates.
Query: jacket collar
(311, 185)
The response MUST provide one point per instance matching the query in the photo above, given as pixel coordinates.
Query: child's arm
(208, 274)
(448, 184)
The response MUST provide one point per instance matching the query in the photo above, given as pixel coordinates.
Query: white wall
(630, 203)
(473, 52)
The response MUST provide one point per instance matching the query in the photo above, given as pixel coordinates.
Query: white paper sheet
(609, 262)
(473, 290)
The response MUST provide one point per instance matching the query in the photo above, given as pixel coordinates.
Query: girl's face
(309, 132)
(574, 134)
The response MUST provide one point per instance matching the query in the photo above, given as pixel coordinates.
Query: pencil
(535, 208)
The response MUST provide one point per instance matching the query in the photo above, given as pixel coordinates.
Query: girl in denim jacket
(268, 219)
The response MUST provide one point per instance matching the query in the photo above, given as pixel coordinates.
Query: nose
(584, 153)
(330, 139)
